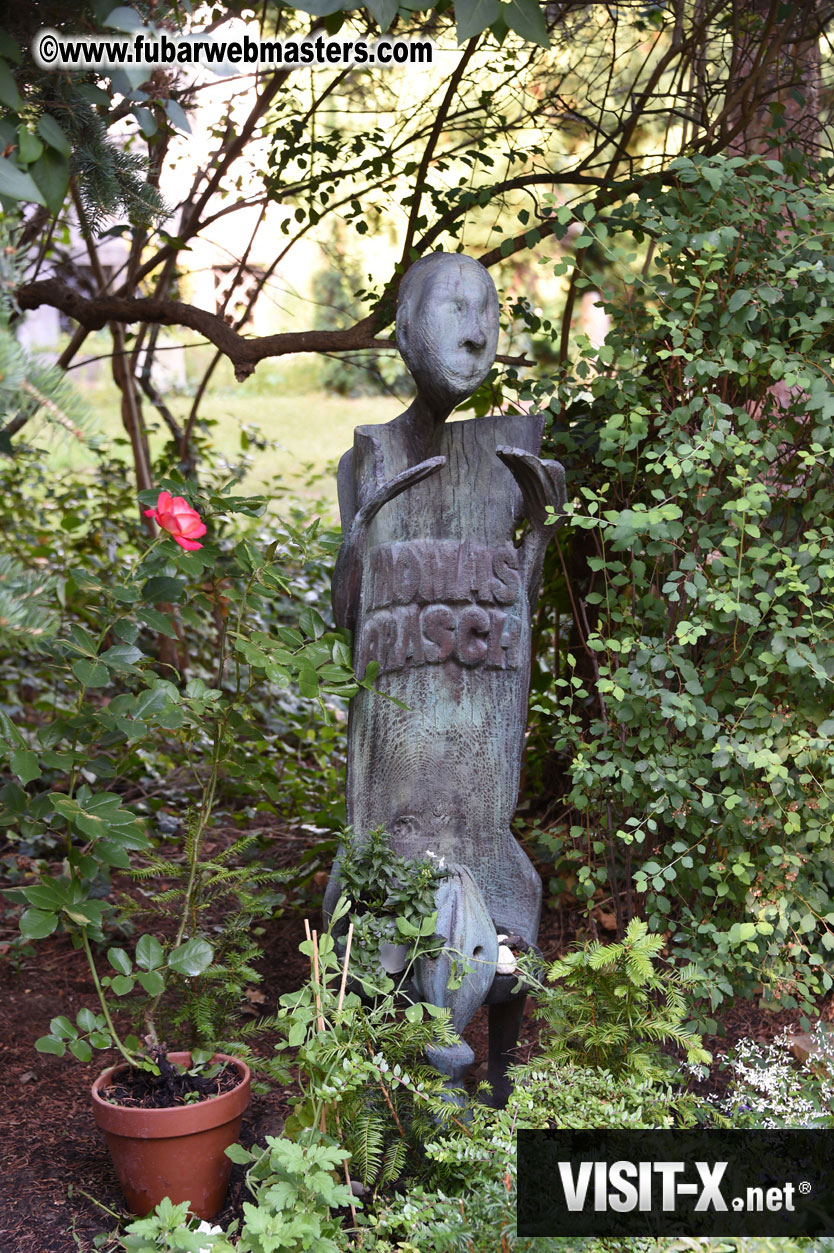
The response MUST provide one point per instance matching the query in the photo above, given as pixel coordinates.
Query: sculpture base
(453, 1061)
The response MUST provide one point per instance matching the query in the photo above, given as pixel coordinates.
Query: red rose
(175, 515)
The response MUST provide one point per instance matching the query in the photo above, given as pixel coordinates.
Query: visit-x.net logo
(676, 1183)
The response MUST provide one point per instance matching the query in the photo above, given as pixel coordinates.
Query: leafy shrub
(685, 713)
(392, 909)
(420, 1173)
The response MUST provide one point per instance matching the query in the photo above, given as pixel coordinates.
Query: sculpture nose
(473, 338)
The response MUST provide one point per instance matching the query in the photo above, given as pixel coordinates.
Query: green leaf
(191, 958)
(124, 18)
(35, 924)
(48, 895)
(238, 1154)
(122, 985)
(152, 982)
(119, 960)
(9, 95)
(526, 19)
(86, 1019)
(739, 299)
(163, 588)
(15, 185)
(95, 95)
(308, 684)
(177, 116)
(159, 622)
(83, 641)
(48, 1044)
(29, 147)
(102, 816)
(297, 1034)
(473, 16)
(63, 1028)
(312, 623)
(384, 11)
(86, 913)
(91, 673)
(126, 630)
(51, 173)
(147, 122)
(149, 952)
(122, 656)
(81, 1050)
(9, 731)
(52, 134)
(25, 765)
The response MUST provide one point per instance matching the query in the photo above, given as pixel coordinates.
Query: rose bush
(64, 778)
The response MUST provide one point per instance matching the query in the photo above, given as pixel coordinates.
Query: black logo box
(672, 1183)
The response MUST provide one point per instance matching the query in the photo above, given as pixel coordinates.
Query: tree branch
(244, 354)
(428, 152)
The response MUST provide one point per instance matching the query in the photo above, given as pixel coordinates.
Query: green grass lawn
(305, 430)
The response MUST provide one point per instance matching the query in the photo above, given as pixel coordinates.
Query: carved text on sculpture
(421, 571)
(431, 634)
(432, 601)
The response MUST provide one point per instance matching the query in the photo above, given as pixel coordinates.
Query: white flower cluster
(771, 1090)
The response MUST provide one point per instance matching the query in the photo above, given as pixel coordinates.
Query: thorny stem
(119, 1217)
(129, 1057)
(206, 806)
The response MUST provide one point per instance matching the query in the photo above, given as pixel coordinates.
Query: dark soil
(57, 1187)
(141, 1089)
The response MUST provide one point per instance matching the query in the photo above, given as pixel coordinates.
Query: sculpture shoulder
(363, 467)
(521, 430)
(346, 489)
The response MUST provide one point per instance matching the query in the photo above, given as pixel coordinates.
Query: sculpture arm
(347, 574)
(542, 485)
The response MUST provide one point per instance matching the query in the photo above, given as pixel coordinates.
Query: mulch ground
(57, 1187)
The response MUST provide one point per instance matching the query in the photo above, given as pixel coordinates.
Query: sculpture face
(447, 327)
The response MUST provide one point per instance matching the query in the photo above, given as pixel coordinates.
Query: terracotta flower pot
(179, 1152)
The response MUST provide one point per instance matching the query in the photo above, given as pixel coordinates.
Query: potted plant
(178, 1151)
(152, 1097)
(167, 1117)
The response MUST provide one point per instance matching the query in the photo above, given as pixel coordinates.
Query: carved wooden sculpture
(433, 586)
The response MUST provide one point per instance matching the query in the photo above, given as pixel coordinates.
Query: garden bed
(56, 1180)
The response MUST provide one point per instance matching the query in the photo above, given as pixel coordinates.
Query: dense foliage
(690, 700)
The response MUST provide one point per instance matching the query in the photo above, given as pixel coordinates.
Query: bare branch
(244, 354)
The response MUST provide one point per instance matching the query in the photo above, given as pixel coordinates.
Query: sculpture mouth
(468, 372)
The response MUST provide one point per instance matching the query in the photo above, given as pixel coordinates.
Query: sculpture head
(447, 327)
